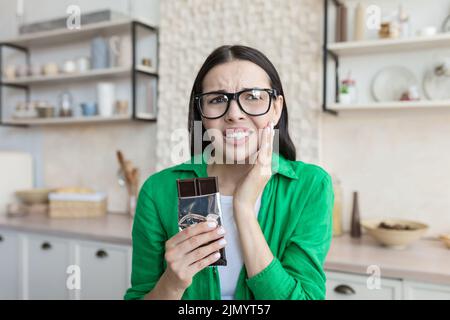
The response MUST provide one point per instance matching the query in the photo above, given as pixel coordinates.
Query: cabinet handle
(46, 246)
(101, 254)
(344, 289)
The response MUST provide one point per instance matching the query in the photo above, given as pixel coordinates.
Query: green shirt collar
(197, 164)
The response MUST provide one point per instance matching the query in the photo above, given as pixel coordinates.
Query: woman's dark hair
(237, 52)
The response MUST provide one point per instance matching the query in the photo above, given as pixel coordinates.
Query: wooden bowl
(34, 196)
(407, 233)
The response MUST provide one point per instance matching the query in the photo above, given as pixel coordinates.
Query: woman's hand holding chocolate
(190, 251)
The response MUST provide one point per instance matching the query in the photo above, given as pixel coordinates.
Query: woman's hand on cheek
(252, 184)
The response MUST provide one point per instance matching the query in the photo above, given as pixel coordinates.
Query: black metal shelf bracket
(326, 54)
(147, 73)
(135, 71)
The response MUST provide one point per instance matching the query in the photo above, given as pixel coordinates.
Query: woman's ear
(278, 108)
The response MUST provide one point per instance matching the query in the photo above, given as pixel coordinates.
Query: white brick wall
(287, 31)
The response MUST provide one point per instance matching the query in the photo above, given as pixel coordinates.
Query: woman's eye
(219, 99)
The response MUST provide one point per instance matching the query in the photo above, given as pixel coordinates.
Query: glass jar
(65, 104)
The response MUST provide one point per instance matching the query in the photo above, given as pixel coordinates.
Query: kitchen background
(395, 154)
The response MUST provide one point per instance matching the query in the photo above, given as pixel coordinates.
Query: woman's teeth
(237, 135)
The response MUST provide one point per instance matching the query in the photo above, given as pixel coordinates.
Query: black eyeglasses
(254, 102)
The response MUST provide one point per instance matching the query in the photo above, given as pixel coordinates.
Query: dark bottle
(355, 230)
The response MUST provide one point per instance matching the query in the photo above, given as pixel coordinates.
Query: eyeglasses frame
(272, 94)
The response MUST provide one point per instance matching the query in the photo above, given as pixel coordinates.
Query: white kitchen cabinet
(9, 265)
(105, 270)
(45, 264)
(346, 286)
(42, 272)
(425, 291)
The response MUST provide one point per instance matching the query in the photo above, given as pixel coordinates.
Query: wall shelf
(91, 74)
(423, 104)
(66, 120)
(61, 36)
(146, 70)
(389, 45)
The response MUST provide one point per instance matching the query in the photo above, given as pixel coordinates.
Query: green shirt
(295, 217)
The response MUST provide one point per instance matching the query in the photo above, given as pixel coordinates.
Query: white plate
(390, 82)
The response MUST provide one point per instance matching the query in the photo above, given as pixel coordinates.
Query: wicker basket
(76, 208)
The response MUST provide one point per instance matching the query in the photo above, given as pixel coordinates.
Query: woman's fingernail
(212, 224)
(222, 242)
(217, 255)
(221, 230)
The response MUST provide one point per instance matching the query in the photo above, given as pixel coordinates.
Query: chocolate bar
(207, 185)
(187, 188)
(197, 186)
(198, 201)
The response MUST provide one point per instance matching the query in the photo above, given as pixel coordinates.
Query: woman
(276, 211)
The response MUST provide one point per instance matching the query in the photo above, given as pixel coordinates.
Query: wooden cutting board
(16, 173)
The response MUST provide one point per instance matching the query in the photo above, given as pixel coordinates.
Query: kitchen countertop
(114, 228)
(426, 260)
